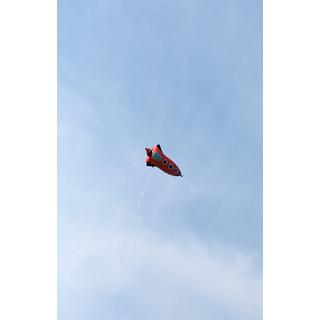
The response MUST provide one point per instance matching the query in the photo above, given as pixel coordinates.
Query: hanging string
(132, 223)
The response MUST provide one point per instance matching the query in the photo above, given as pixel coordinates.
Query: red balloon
(156, 158)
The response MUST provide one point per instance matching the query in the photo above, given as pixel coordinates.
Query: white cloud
(160, 275)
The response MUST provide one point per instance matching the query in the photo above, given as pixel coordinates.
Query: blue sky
(187, 75)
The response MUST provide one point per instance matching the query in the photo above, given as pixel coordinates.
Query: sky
(135, 243)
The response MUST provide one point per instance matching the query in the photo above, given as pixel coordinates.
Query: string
(132, 223)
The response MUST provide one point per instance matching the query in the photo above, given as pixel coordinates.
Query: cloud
(163, 279)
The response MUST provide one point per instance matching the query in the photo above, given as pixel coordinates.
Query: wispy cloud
(163, 278)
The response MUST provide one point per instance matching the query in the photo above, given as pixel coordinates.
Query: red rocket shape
(156, 158)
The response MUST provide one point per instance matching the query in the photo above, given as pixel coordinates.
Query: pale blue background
(188, 75)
